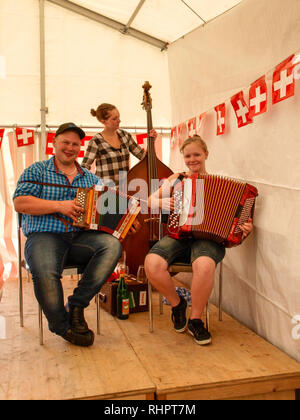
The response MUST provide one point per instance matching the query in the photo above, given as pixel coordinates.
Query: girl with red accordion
(203, 254)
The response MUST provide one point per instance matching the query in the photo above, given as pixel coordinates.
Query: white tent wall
(261, 277)
(86, 64)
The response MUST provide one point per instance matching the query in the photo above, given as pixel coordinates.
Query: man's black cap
(70, 127)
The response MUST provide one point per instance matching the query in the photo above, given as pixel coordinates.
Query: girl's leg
(156, 268)
(202, 284)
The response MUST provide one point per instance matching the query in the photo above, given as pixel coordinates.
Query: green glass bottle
(122, 299)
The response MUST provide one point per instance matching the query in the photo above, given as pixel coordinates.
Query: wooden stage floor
(128, 362)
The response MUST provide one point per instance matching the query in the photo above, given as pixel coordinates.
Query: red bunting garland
(283, 87)
(258, 97)
(1, 136)
(283, 80)
(221, 114)
(24, 137)
(241, 109)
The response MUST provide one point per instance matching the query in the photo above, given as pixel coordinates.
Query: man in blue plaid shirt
(46, 196)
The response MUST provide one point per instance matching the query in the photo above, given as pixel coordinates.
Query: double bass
(149, 171)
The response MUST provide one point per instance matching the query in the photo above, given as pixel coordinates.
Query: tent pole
(44, 109)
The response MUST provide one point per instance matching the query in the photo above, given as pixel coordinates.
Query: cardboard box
(138, 297)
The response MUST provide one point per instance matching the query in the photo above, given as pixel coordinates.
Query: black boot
(77, 322)
(83, 340)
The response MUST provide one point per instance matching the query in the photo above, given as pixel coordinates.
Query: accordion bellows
(211, 207)
(107, 210)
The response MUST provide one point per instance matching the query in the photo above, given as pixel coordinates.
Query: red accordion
(211, 207)
(107, 210)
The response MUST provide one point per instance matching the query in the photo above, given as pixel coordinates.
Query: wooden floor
(128, 362)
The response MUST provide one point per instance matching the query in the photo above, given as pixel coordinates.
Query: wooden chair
(22, 264)
(182, 267)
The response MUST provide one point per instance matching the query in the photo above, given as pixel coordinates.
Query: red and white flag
(221, 114)
(182, 133)
(1, 136)
(84, 145)
(283, 80)
(49, 144)
(258, 97)
(24, 137)
(241, 109)
(200, 124)
(192, 127)
(173, 139)
(141, 140)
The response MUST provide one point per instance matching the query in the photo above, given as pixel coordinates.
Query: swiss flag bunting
(1, 136)
(24, 137)
(283, 80)
(182, 133)
(258, 97)
(141, 139)
(192, 129)
(49, 145)
(173, 139)
(241, 109)
(221, 114)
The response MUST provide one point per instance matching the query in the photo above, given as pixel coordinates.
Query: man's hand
(136, 226)
(71, 209)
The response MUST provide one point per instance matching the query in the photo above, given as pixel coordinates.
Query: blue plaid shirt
(47, 172)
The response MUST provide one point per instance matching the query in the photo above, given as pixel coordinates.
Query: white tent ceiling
(166, 20)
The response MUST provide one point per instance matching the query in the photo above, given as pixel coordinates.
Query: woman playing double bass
(112, 146)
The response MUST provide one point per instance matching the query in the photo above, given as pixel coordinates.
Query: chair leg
(150, 307)
(41, 334)
(207, 317)
(21, 301)
(98, 313)
(220, 291)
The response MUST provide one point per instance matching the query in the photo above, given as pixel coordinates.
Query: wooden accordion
(107, 210)
(211, 207)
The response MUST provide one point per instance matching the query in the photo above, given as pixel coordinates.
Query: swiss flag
(283, 80)
(201, 120)
(174, 138)
(50, 147)
(192, 127)
(24, 137)
(241, 109)
(182, 133)
(221, 114)
(141, 140)
(1, 136)
(258, 97)
(84, 144)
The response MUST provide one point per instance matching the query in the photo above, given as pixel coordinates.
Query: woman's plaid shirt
(47, 172)
(110, 161)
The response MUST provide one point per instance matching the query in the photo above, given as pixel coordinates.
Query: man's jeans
(47, 253)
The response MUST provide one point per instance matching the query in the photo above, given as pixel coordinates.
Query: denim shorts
(187, 250)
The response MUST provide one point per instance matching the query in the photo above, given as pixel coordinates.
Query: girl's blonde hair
(195, 139)
(102, 112)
